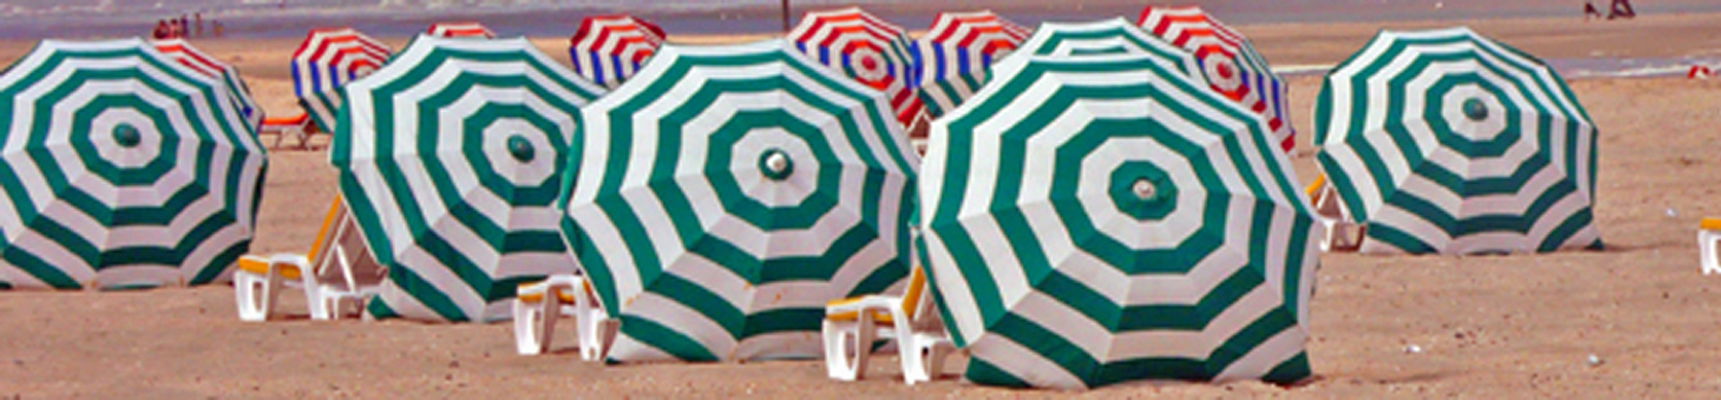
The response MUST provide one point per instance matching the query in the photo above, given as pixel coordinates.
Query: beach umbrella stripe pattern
(449, 160)
(953, 56)
(866, 48)
(1096, 219)
(327, 60)
(608, 50)
(122, 168)
(1229, 61)
(1446, 141)
(725, 194)
(208, 65)
(1111, 36)
(460, 29)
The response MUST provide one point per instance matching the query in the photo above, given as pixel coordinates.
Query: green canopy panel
(123, 168)
(1445, 141)
(450, 159)
(1094, 219)
(1109, 36)
(724, 194)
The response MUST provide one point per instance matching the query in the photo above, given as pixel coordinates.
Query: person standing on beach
(199, 31)
(1590, 10)
(215, 24)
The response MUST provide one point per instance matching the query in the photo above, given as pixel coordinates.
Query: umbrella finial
(1475, 110)
(127, 135)
(1144, 189)
(775, 164)
(521, 148)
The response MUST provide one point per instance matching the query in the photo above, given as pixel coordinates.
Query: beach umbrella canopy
(460, 29)
(1228, 60)
(449, 159)
(609, 49)
(952, 57)
(726, 193)
(327, 60)
(1445, 141)
(866, 48)
(208, 65)
(123, 168)
(1096, 219)
(1108, 36)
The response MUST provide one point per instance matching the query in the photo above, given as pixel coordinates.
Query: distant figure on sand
(1621, 9)
(161, 30)
(1590, 10)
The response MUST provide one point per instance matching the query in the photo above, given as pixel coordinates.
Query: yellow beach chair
(1708, 236)
(1342, 234)
(538, 304)
(852, 324)
(337, 272)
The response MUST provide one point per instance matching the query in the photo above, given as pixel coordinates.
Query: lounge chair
(1342, 234)
(851, 325)
(298, 126)
(1708, 236)
(337, 272)
(538, 304)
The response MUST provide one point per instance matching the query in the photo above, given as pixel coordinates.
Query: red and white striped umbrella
(609, 49)
(866, 48)
(461, 29)
(953, 56)
(327, 60)
(182, 51)
(1232, 65)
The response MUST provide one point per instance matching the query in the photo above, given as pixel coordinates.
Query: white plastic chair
(1341, 233)
(538, 304)
(1708, 238)
(336, 273)
(851, 325)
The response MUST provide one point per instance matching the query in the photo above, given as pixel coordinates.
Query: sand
(1489, 327)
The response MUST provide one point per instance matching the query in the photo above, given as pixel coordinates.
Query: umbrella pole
(785, 15)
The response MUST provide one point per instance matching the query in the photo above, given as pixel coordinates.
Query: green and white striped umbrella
(122, 168)
(1110, 36)
(724, 194)
(449, 159)
(1448, 142)
(1097, 219)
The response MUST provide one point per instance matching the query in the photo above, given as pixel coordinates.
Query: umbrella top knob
(1144, 189)
(1475, 110)
(521, 148)
(127, 135)
(775, 164)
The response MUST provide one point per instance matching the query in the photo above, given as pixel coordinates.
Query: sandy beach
(1488, 327)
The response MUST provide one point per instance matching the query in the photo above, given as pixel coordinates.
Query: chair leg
(322, 306)
(843, 362)
(251, 291)
(1706, 251)
(1331, 227)
(534, 324)
(923, 357)
(1340, 235)
(597, 335)
(329, 303)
